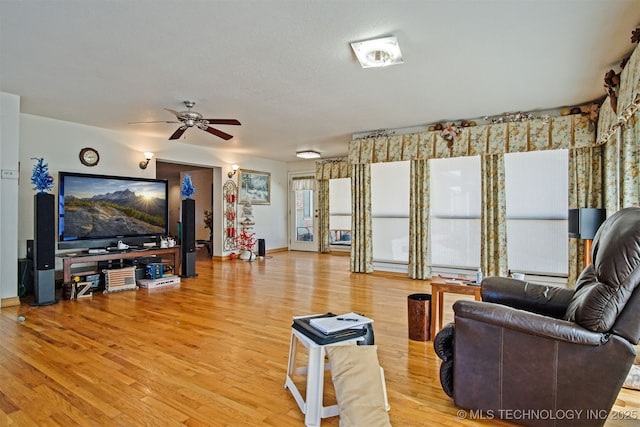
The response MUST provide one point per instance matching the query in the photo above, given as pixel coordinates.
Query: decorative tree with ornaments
(188, 189)
(41, 179)
(246, 240)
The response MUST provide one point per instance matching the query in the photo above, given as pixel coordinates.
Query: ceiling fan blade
(218, 133)
(157, 121)
(178, 133)
(174, 112)
(223, 121)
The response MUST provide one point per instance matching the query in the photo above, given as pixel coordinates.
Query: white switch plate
(10, 174)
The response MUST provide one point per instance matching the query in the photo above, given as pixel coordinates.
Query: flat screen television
(95, 211)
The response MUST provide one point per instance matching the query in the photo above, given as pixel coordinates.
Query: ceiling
(285, 69)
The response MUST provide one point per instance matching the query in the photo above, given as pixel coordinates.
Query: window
(390, 211)
(307, 203)
(340, 212)
(455, 212)
(303, 188)
(536, 186)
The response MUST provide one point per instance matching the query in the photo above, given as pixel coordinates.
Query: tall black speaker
(188, 238)
(262, 249)
(44, 280)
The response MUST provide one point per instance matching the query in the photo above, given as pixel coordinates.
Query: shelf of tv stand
(85, 257)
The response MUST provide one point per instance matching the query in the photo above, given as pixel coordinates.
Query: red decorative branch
(245, 241)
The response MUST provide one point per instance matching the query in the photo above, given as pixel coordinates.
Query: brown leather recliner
(546, 356)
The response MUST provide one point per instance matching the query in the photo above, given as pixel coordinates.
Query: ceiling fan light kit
(379, 52)
(190, 118)
(308, 154)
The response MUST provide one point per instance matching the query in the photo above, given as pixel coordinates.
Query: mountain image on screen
(121, 212)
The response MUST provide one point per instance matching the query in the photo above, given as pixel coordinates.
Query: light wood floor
(213, 351)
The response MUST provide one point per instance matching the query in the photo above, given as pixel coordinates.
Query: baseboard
(9, 302)
(391, 274)
(271, 251)
(395, 267)
(340, 253)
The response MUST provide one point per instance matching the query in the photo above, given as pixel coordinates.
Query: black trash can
(419, 310)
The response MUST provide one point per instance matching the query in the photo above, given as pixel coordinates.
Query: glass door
(303, 214)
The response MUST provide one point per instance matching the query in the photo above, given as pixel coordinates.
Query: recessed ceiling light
(379, 52)
(308, 154)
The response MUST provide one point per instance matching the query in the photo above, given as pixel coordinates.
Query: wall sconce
(233, 172)
(143, 164)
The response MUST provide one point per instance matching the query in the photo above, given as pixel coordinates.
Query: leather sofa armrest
(537, 298)
(526, 322)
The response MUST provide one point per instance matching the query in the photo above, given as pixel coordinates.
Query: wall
(174, 204)
(60, 142)
(302, 166)
(202, 179)
(271, 224)
(9, 139)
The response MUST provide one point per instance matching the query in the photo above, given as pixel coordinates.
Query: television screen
(97, 210)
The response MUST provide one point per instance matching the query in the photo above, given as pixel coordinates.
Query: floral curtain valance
(629, 82)
(332, 169)
(572, 131)
(628, 101)
(619, 133)
(301, 184)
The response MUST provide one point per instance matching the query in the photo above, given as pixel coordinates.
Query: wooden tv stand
(84, 257)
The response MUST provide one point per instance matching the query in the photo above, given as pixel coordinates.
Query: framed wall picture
(255, 186)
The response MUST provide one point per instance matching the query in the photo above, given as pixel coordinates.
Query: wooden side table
(438, 288)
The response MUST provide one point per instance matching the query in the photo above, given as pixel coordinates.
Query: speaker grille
(44, 240)
(188, 238)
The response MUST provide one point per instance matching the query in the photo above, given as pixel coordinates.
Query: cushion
(633, 378)
(443, 342)
(357, 379)
(604, 287)
(446, 377)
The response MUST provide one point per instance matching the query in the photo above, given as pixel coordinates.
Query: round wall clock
(89, 156)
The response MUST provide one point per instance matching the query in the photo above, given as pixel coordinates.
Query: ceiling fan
(190, 118)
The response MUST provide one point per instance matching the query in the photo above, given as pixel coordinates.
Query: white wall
(59, 143)
(271, 224)
(9, 139)
(303, 166)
